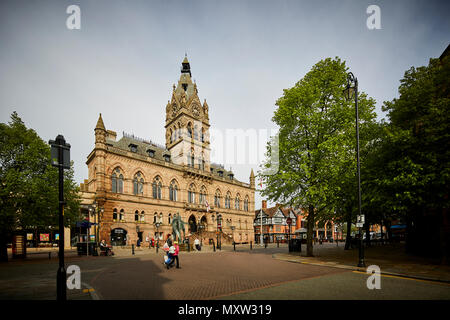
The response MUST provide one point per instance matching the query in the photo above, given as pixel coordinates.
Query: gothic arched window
(246, 203)
(228, 200)
(237, 205)
(138, 184)
(156, 188)
(173, 191)
(217, 199)
(114, 214)
(117, 181)
(189, 128)
(191, 193)
(202, 195)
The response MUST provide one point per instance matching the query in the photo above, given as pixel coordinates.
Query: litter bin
(81, 248)
(93, 249)
(295, 245)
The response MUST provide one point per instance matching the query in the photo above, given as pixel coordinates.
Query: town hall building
(136, 187)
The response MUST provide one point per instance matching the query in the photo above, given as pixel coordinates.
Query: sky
(126, 56)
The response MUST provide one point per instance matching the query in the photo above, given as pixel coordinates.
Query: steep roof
(143, 146)
(100, 124)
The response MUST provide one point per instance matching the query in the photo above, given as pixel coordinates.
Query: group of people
(171, 250)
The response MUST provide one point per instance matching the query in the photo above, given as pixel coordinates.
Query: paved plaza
(262, 273)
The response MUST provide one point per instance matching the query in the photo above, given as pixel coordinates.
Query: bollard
(157, 246)
(234, 246)
(265, 245)
(49, 255)
(250, 245)
(189, 246)
(132, 249)
(278, 243)
(214, 246)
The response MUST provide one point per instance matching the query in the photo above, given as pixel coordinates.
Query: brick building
(134, 185)
(273, 222)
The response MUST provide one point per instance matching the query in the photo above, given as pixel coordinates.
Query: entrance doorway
(118, 237)
(192, 224)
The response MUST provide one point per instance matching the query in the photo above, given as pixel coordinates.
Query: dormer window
(133, 147)
(231, 176)
(151, 153)
(220, 173)
(167, 157)
(212, 170)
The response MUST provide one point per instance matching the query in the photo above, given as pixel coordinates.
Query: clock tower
(187, 123)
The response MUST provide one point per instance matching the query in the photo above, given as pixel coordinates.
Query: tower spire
(100, 124)
(186, 67)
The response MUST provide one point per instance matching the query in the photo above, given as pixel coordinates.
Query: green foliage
(317, 162)
(29, 184)
(413, 160)
(316, 138)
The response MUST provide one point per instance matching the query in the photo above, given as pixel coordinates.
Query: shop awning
(399, 226)
(85, 224)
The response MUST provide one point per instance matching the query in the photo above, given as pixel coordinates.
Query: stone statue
(177, 227)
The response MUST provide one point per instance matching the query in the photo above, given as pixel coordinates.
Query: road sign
(359, 224)
(289, 220)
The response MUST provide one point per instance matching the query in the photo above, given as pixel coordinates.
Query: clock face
(196, 110)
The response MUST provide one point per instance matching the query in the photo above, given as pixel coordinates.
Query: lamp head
(350, 90)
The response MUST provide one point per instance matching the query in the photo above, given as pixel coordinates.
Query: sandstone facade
(138, 186)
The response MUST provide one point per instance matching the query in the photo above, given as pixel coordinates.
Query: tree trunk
(3, 248)
(309, 233)
(444, 236)
(348, 238)
(389, 231)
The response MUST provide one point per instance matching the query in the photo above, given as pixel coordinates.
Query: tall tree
(316, 142)
(29, 184)
(416, 157)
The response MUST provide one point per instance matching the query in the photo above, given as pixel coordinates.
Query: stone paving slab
(202, 276)
(391, 259)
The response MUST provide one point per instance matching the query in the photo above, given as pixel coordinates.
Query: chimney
(264, 204)
(112, 135)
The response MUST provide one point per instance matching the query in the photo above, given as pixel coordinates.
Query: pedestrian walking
(169, 240)
(175, 255)
(197, 244)
(170, 257)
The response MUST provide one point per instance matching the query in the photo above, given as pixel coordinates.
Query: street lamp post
(98, 215)
(219, 226)
(60, 155)
(157, 224)
(352, 88)
(232, 229)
